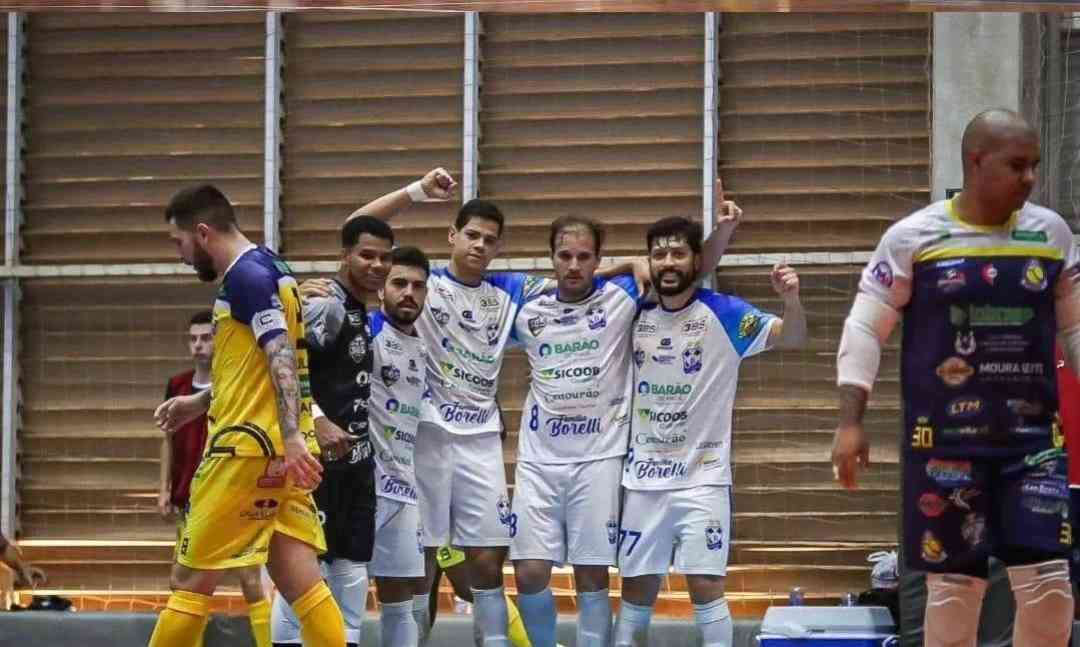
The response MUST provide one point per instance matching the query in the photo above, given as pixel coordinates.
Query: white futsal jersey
(397, 386)
(578, 406)
(465, 329)
(686, 368)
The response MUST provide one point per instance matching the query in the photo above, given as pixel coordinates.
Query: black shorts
(960, 511)
(346, 502)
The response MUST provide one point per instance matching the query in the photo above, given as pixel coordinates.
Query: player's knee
(485, 570)
(1044, 602)
(589, 579)
(182, 578)
(251, 584)
(532, 576)
(705, 588)
(953, 603)
(641, 590)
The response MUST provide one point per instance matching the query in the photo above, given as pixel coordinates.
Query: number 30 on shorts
(632, 535)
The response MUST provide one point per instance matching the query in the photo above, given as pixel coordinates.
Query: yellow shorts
(237, 504)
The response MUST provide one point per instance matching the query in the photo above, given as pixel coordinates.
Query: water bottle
(796, 597)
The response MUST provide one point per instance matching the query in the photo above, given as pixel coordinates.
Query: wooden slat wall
(824, 126)
(95, 357)
(1068, 189)
(122, 110)
(372, 101)
(595, 114)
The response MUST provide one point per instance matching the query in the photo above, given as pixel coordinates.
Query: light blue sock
(632, 628)
(398, 625)
(422, 617)
(594, 621)
(714, 620)
(489, 613)
(538, 614)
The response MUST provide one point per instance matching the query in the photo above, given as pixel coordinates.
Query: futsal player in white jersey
(573, 432)
(677, 475)
(397, 386)
(465, 327)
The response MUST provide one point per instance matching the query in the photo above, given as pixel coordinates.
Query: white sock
(422, 616)
(489, 614)
(284, 627)
(538, 614)
(714, 620)
(594, 621)
(398, 624)
(632, 627)
(349, 583)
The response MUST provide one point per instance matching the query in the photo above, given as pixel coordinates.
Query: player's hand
(724, 211)
(850, 453)
(165, 506)
(305, 469)
(438, 184)
(177, 412)
(333, 440)
(642, 276)
(30, 576)
(316, 289)
(784, 280)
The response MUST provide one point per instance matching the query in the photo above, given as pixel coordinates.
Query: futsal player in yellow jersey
(251, 496)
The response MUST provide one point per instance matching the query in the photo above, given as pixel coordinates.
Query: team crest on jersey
(356, 318)
(491, 329)
(440, 316)
(691, 358)
(714, 536)
(612, 531)
(1033, 277)
(506, 514)
(537, 325)
(749, 325)
(390, 375)
(883, 274)
(596, 317)
(965, 342)
(358, 349)
(445, 293)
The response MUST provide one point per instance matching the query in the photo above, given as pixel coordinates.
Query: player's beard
(685, 281)
(401, 319)
(203, 264)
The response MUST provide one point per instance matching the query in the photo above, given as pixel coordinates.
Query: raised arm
(436, 184)
(789, 332)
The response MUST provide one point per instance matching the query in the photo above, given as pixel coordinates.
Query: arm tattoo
(283, 373)
(852, 404)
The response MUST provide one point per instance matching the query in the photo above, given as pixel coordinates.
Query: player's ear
(451, 234)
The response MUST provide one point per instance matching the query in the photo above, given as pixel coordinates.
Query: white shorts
(348, 582)
(399, 550)
(567, 513)
(461, 482)
(688, 528)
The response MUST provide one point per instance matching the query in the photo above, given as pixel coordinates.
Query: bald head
(1001, 159)
(989, 129)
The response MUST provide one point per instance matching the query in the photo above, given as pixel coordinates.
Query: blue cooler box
(827, 627)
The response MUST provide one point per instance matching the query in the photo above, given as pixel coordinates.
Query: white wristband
(316, 412)
(416, 192)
